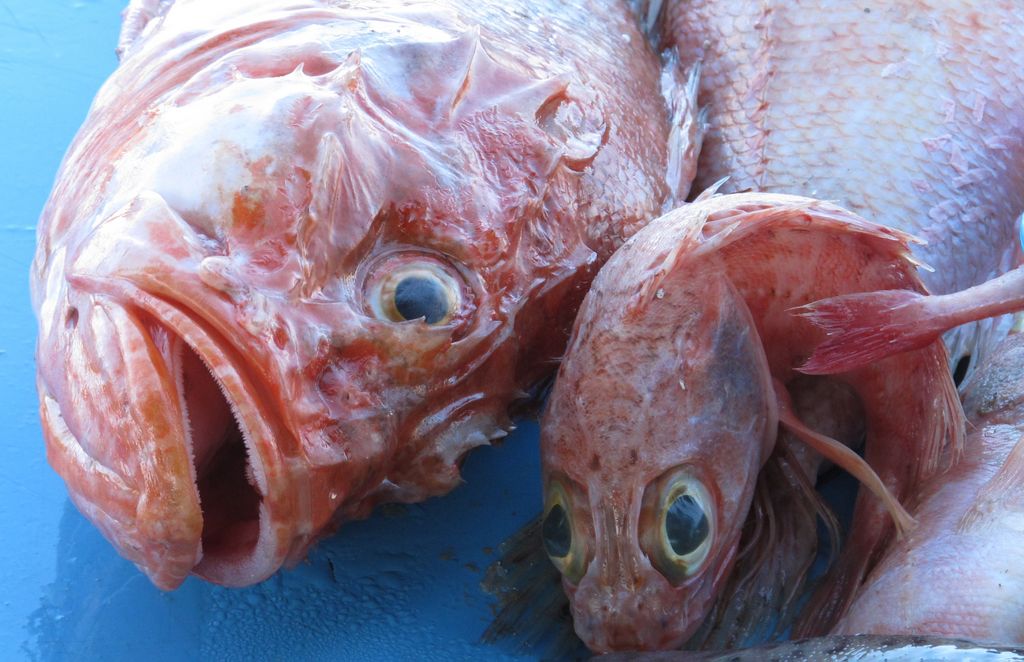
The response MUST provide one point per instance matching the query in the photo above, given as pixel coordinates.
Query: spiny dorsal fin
(688, 124)
(135, 18)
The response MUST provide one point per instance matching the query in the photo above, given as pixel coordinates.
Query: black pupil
(418, 297)
(556, 533)
(686, 525)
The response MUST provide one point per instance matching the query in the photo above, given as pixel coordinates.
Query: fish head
(660, 419)
(286, 283)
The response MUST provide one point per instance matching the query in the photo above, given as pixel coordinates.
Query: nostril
(71, 319)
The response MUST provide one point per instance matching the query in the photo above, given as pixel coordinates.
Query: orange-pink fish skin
(701, 399)
(246, 173)
(671, 366)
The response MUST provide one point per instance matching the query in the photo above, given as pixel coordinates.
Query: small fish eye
(686, 524)
(677, 524)
(556, 532)
(422, 296)
(563, 542)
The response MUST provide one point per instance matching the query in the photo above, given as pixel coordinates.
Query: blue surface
(403, 584)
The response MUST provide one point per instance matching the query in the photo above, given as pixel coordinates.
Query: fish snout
(165, 438)
(622, 603)
(628, 617)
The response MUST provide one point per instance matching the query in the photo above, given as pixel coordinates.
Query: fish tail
(869, 326)
(866, 327)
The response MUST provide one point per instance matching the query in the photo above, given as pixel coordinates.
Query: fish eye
(422, 296)
(417, 289)
(677, 524)
(556, 532)
(563, 542)
(686, 525)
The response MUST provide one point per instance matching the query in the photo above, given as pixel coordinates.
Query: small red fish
(669, 402)
(302, 256)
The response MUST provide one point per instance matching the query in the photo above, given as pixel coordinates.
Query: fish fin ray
(532, 614)
(842, 456)
(650, 17)
(778, 547)
(758, 211)
(712, 190)
(135, 18)
(867, 326)
(688, 124)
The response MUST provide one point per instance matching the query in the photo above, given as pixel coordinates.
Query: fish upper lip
(280, 528)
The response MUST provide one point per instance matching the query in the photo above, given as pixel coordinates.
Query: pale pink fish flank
(958, 573)
(907, 113)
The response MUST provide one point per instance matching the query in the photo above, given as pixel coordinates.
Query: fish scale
(890, 110)
(906, 113)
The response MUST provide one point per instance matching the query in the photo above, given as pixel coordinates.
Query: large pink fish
(302, 256)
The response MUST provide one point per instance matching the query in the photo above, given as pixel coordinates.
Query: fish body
(905, 113)
(669, 401)
(301, 257)
(958, 573)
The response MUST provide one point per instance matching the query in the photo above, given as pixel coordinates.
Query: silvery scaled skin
(225, 370)
(906, 113)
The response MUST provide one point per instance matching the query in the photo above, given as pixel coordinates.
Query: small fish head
(307, 287)
(655, 431)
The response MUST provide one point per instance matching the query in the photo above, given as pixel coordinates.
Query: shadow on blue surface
(403, 584)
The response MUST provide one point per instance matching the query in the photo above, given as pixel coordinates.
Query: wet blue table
(401, 586)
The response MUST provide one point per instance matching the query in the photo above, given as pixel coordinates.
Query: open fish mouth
(239, 472)
(196, 480)
(230, 478)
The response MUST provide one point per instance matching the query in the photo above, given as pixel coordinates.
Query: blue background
(403, 584)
